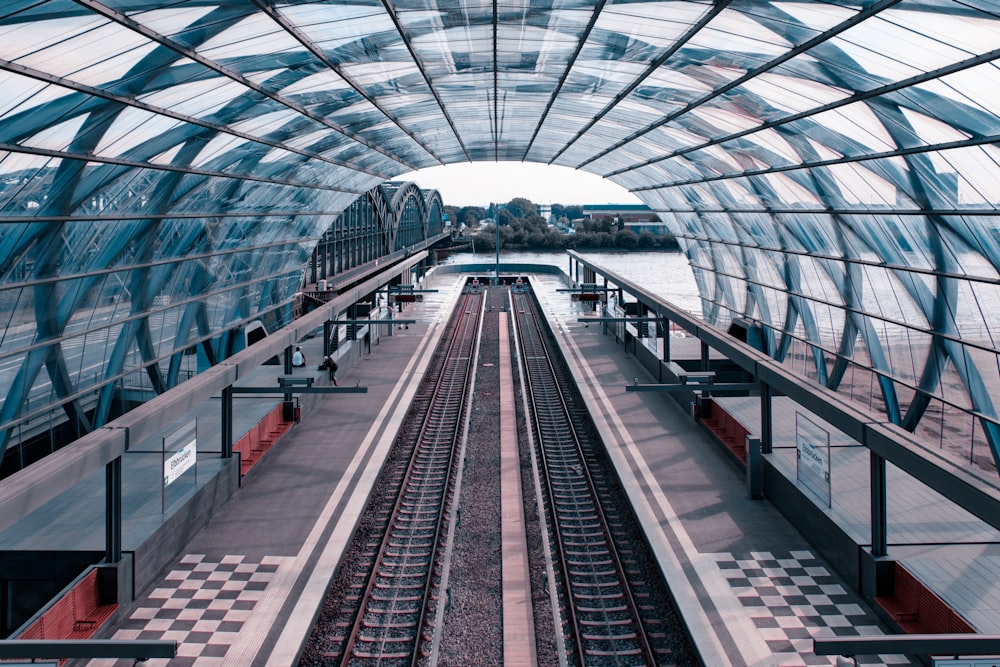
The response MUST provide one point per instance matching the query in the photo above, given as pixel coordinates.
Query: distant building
(545, 210)
(627, 213)
(636, 217)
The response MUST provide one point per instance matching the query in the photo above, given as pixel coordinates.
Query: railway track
(388, 588)
(392, 601)
(614, 610)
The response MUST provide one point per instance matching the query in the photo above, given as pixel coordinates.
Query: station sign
(179, 463)
(180, 451)
(812, 456)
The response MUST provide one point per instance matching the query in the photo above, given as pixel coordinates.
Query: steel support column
(227, 422)
(755, 468)
(766, 419)
(879, 514)
(113, 511)
(666, 339)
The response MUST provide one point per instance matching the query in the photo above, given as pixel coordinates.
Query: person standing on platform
(298, 358)
(331, 368)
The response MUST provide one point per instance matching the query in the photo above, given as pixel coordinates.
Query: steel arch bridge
(388, 218)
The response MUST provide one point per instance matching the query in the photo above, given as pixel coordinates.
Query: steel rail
(603, 615)
(391, 616)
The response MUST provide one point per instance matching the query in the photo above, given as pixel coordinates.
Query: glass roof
(861, 132)
(423, 84)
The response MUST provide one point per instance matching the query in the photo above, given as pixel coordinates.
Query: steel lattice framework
(389, 217)
(831, 168)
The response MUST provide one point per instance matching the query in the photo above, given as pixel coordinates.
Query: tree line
(522, 228)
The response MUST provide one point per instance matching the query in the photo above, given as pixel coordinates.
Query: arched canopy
(678, 100)
(831, 168)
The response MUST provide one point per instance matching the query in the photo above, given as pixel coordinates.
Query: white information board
(177, 464)
(812, 456)
(180, 454)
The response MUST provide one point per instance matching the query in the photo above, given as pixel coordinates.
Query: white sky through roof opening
(479, 183)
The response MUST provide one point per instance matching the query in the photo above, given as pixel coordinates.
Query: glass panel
(321, 82)
(928, 41)
(858, 185)
(721, 120)
(255, 35)
(266, 123)
(857, 123)
(132, 128)
(170, 20)
(198, 98)
(973, 88)
(56, 137)
(793, 94)
(731, 31)
(657, 24)
(22, 93)
(20, 40)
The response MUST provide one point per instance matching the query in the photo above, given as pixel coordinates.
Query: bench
(685, 376)
(916, 609)
(259, 439)
(727, 428)
(295, 380)
(77, 614)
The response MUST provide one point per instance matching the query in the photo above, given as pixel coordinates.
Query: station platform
(246, 588)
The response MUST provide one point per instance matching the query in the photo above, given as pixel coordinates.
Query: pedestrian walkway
(245, 590)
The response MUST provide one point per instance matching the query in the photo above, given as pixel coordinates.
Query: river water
(976, 309)
(666, 274)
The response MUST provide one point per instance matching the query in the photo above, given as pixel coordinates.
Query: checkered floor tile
(202, 603)
(791, 597)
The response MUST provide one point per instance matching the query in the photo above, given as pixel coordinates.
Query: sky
(479, 183)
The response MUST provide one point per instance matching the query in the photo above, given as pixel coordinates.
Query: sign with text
(812, 456)
(180, 452)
